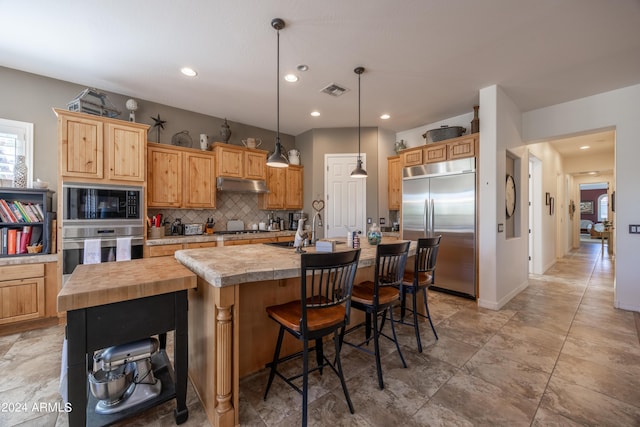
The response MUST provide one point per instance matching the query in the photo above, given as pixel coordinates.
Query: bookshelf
(25, 211)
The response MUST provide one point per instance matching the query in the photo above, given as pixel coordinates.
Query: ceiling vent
(334, 90)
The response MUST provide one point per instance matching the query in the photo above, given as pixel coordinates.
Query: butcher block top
(92, 285)
(232, 265)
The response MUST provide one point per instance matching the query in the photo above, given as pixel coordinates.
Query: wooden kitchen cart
(119, 302)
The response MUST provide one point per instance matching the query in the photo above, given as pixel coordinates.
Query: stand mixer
(125, 378)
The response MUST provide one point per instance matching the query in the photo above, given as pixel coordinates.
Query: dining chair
(326, 284)
(377, 298)
(417, 279)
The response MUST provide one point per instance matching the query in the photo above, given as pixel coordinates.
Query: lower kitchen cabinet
(169, 250)
(27, 295)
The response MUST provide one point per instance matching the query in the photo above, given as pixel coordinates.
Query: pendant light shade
(359, 172)
(277, 158)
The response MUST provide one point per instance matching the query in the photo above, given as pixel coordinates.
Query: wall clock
(510, 196)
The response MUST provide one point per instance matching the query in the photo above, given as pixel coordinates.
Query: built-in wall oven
(100, 212)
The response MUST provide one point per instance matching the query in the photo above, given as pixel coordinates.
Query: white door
(345, 197)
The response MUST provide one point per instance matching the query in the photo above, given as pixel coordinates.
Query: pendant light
(277, 158)
(359, 172)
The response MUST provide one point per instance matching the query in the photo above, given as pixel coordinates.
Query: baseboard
(636, 315)
(497, 305)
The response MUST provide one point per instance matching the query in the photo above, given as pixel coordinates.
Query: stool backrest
(391, 259)
(327, 280)
(426, 254)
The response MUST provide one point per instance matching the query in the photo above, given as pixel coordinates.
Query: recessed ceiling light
(315, 113)
(385, 117)
(593, 173)
(189, 72)
(303, 67)
(584, 147)
(291, 78)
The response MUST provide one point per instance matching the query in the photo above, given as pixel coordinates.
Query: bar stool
(420, 277)
(378, 297)
(326, 283)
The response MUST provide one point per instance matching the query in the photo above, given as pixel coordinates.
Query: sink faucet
(314, 237)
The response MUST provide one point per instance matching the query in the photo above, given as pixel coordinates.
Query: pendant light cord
(359, 91)
(278, 90)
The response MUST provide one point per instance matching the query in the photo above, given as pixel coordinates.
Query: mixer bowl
(111, 385)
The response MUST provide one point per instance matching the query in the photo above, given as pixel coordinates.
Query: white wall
(620, 109)
(503, 265)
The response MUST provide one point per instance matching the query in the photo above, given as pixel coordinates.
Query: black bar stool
(378, 297)
(326, 283)
(418, 278)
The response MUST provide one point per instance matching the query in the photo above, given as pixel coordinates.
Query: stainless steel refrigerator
(440, 198)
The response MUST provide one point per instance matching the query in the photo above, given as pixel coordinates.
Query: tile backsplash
(236, 206)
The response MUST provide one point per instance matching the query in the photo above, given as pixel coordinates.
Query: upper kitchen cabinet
(394, 170)
(450, 149)
(240, 162)
(99, 148)
(285, 188)
(180, 177)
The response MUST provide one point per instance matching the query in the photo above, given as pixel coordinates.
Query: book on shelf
(17, 211)
(25, 238)
(12, 236)
(3, 240)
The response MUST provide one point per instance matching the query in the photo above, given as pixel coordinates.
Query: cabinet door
(395, 182)
(199, 180)
(412, 157)
(125, 147)
(462, 148)
(229, 161)
(274, 199)
(255, 165)
(81, 147)
(294, 192)
(22, 293)
(164, 180)
(162, 250)
(435, 153)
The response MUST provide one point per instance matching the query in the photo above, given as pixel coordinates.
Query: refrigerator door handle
(425, 216)
(431, 216)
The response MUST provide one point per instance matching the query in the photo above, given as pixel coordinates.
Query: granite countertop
(170, 240)
(28, 259)
(91, 285)
(231, 265)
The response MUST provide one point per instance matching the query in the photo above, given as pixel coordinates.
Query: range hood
(240, 185)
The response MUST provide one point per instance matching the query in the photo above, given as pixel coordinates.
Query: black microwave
(102, 202)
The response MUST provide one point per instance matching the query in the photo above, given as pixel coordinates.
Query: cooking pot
(444, 132)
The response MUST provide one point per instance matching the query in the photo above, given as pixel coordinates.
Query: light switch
(500, 228)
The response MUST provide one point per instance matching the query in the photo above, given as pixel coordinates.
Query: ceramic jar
(20, 173)
(294, 157)
(225, 132)
(374, 236)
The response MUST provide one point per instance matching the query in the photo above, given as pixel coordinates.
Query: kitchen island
(230, 334)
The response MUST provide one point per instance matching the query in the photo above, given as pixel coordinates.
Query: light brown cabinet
(285, 188)
(27, 294)
(451, 149)
(240, 162)
(169, 250)
(394, 171)
(180, 177)
(100, 148)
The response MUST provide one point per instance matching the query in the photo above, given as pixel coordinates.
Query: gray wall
(30, 98)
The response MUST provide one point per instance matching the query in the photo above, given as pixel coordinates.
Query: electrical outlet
(369, 220)
(383, 221)
(500, 228)
(634, 228)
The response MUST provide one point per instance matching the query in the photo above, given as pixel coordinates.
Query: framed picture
(547, 199)
(586, 207)
(551, 205)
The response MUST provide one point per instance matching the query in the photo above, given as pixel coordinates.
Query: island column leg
(226, 369)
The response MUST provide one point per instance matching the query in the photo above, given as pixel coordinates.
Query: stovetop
(240, 232)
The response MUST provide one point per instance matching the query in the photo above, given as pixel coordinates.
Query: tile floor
(558, 354)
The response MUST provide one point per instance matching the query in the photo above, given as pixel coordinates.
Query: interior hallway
(557, 354)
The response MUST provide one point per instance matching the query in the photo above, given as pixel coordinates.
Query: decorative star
(158, 122)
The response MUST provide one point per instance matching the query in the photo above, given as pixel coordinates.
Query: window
(603, 207)
(16, 138)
